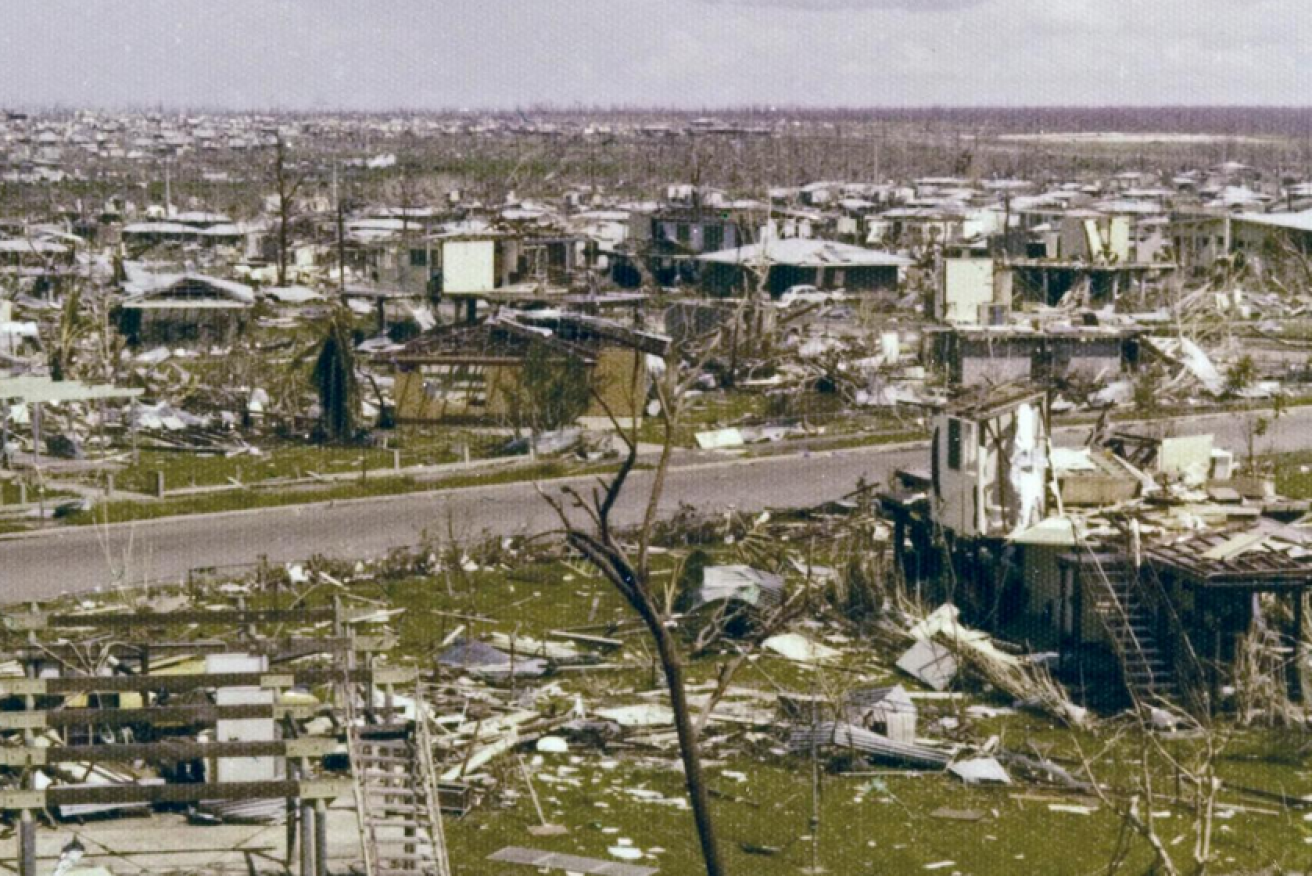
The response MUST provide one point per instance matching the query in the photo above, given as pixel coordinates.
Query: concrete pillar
(159, 484)
(396, 460)
(109, 484)
(471, 311)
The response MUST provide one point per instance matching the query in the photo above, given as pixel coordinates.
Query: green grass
(280, 459)
(238, 500)
(9, 493)
(1293, 472)
(880, 824)
(868, 824)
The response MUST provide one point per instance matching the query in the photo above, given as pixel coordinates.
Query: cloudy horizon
(686, 54)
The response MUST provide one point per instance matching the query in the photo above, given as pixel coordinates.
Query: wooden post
(291, 826)
(1300, 649)
(109, 484)
(27, 844)
(396, 460)
(159, 484)
(27, 824)
(4, 433)
(36, 434)
(320, 838)
(308, 837)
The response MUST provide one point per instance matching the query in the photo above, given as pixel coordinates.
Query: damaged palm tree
(336, 382)
(73, 326)
(627, 564)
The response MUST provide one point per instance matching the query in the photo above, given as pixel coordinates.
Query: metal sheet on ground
(574, 863)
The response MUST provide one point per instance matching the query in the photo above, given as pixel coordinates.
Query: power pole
(341, 237)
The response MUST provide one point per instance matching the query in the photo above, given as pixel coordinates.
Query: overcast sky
(435, 54)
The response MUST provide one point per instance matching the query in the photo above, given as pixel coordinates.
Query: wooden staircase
(1118, 600)
(396, 795)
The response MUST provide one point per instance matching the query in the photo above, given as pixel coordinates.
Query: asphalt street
(77, 559)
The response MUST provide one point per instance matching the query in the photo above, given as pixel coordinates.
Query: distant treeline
(1281, 121)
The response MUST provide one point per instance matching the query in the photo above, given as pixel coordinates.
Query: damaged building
(477, 373)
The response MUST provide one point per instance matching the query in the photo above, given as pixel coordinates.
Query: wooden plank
(320, 789)
(204, 713)
(182, 683)
(167, 751)
(599, 641)
(573, 863)
(277, 649)
(233, 617)
(1235, 545)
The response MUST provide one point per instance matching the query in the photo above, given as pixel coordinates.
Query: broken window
(713, 238)
(683, 232)
(456, 384)
(418, 258)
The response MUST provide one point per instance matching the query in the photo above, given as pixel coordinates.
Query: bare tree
(627, 564)
(1136, 801)
(286, 185)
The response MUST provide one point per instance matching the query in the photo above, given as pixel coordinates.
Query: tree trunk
(283, 222)
(688, 749)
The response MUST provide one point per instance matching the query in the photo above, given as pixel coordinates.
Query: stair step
(423, 860)
(401, 808)
(400, 757)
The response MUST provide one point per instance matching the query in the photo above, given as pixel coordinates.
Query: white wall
(469, 265)
(967, 283)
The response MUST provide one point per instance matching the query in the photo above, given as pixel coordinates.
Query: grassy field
(287, 459)
(123, 511)
(872, 819)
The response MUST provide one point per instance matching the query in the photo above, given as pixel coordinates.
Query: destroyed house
(34, 253)
(191, 310)
(476, 373)
(989, 465)
(993, 355)
(691, 231)
(140, 236)
(1049, 281)
(472, 263)
(1178, 611)
(780, 264)
(668, 240)
(1144, 559)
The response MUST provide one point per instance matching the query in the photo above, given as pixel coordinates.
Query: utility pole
(341, 237)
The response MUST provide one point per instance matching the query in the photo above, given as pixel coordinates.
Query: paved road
(83, 558)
